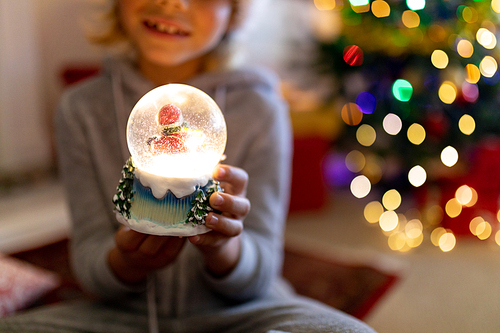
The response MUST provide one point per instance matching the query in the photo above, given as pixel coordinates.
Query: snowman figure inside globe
(176, 135)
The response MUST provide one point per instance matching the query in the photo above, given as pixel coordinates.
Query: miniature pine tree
(201, 206)
(123, 197)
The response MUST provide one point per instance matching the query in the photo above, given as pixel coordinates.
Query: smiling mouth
(166, 28)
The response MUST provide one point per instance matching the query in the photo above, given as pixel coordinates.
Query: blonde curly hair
(104, 29)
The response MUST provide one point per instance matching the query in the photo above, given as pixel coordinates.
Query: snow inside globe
(176, 135)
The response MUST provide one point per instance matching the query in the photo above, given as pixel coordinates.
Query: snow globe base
(137, 207)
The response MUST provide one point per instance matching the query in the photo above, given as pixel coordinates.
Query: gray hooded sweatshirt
(91, 123)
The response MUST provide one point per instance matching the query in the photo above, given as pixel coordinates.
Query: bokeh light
(391, 199)
(466, 124)
(447, 242)
(467, 14)
(402, 90)
(396, 241)
(351, 114)
(373, 211)
(325, 4)
(355, 161)
(389, 220)
(353, 55)
(416, 134)
(414, 228)
(437, 33)
(464, 195)
(447, 92)
(453, 208)
(488, 66)
(381, 8)
(495, 5)
(417, 176)
(439, 59)
(474, 224)
(473, 74)
(360, 186)
(470, 92)
(366, 102)
(392, 124)
(436, 235)
(449, 156)
(415, 4)
(366, 135)
(483, 230)
(410, 19)
(474, 198)
(486, 38)
(359, 2)
(465, 48)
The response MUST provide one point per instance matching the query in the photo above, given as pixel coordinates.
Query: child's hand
(136, 254)
(221, 247)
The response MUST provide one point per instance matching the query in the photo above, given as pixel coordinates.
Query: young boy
(227, 280)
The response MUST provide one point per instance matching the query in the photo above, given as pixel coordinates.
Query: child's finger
(128, 240)
(233, 205)
(236, 177)
(225, 225)
(152, 245)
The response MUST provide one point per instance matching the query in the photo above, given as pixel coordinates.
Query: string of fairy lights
(425, 87)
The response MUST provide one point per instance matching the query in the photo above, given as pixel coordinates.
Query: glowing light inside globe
(176, 131)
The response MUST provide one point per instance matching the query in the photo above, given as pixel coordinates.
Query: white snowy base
(147, 227)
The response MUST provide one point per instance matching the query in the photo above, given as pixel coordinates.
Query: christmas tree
(419, 82)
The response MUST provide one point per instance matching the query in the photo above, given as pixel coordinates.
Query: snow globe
(176, 135)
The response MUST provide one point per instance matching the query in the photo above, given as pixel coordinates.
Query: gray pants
(288, 315)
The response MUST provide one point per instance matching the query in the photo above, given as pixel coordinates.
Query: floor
(453, 292)
(438, 292)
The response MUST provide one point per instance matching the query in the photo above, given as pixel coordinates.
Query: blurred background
(394, 107)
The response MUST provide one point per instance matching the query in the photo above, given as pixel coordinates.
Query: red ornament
(353, 55)
(169, 114)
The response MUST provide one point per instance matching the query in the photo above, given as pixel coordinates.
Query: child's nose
(178, 4)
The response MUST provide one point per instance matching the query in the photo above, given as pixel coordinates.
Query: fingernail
(220, 173)
(212, 221)
(218, 200)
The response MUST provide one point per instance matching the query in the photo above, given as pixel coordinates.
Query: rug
(353, 288)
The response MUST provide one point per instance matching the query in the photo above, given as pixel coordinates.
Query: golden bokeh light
(373, 168)
(453, 208)
(469, 14)
(465, 48)
(483, 230)
(473, 201)
(391, 200)
(381, 8)
(439, 59)
(495, 5)
(449, 156)
(486, 38)
(366, 135)
(417, 176)
(360, 186)
(325, 4)
(497, 237)
(447, 242)
(414, 228)
(436, 235)
(410, 19)
(373, 211)
(464, 195)
(396, 241)
(437, 33)
(355, 161)
(447, 92)
(415, 242)
(467, 124)
(474, 223)
(416, 134)
(389, 220)
(488, 66)
(473, 74)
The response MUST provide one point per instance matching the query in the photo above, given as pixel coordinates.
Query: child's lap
(288, 315)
